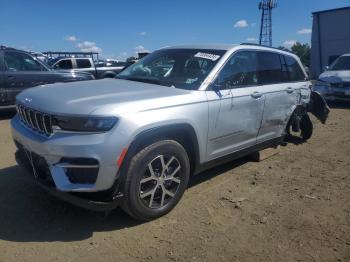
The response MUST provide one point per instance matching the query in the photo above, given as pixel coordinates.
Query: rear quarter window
(83, 63)
(294, 70)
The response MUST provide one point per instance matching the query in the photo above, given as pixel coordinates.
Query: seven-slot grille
(37, 121)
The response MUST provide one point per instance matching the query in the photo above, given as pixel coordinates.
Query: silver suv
(134, 141)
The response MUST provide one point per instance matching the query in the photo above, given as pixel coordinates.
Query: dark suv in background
(20, 70)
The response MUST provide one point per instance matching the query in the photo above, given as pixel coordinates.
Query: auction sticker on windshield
(207, 56)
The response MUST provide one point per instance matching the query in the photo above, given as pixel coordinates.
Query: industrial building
(330, 38)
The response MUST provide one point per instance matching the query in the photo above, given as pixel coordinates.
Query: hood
(335, 76)
(107, 96)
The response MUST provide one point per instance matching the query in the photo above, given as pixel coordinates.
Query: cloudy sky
(118, 29)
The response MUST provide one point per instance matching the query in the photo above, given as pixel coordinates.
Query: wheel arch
(183, 133)
(296, 108)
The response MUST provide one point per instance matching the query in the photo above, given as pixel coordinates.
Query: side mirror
(326, 68)
(216, 88)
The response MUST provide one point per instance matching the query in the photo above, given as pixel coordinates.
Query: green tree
(283, 48)
(303, 51)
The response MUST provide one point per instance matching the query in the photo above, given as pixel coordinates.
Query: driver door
(236, 108)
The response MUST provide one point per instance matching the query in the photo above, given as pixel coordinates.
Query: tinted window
(239, 71)
(269, 67)
(64, 64)
(294, 70)
(83, 63)
(285, 74)
(21, 62)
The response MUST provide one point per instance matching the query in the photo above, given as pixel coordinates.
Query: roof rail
(252, 44)
(55, 54)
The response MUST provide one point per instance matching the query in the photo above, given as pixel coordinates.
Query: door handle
(289, 90)
(256, 95)
(10, 77)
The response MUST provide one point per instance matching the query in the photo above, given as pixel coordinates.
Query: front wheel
(156, 180)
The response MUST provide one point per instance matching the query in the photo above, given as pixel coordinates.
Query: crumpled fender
(318, 107)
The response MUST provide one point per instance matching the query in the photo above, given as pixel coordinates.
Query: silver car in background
(134, 141)
(334, 83)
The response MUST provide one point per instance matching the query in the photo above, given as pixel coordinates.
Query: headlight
(84, 124)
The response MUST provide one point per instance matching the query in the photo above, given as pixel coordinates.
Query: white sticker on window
(207, 56)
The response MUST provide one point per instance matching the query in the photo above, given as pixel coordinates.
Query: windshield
(181, 68)
(342, 63)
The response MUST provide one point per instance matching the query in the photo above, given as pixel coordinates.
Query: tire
(150, 189)
(306, 127)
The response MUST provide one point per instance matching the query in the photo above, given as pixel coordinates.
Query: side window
(64, 64)
(21, 62)
(270, 68)
(83, 63)
(285, 74)
(239, 71)
(294, 70)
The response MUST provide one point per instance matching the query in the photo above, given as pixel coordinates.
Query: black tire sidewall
(138, 165)
(306, 127)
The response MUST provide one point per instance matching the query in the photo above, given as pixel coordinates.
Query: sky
(118, 29)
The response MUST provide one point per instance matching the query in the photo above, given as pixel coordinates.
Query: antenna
(266, 7)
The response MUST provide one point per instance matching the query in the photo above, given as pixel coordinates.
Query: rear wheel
(156, 180)
(302, 129)
(306, 127)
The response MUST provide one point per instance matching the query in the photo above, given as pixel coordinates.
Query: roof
(227, 47)
(331, 10)
(3, 47)
(203, 46)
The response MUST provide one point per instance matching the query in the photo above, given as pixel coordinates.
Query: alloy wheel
(160, 181)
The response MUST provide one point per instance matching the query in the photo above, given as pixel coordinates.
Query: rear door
(23, 71)
(282, 95)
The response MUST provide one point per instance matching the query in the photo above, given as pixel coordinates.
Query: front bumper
(104, 148)
(333, 93)
(86, 203)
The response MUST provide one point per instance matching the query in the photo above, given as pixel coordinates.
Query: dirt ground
(294, 206)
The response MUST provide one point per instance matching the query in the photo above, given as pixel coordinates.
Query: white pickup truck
(101, 69)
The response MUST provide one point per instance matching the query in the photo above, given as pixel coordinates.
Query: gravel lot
(294, 206)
